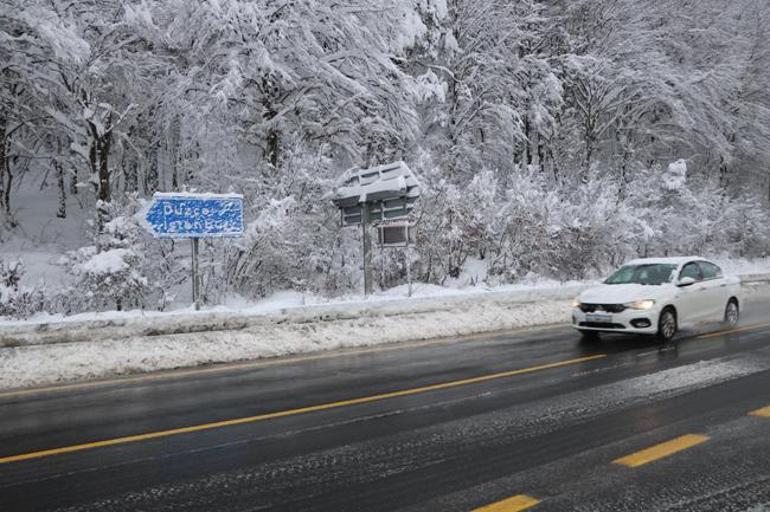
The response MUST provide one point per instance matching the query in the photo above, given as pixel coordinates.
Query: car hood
(623, 293)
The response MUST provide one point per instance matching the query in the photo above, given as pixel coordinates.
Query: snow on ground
(92, 351)
(47, 364)
(741, 266)
(41, 238)
(533, 289)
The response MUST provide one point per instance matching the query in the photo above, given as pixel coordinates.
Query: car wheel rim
(732, 315)
(669, 326)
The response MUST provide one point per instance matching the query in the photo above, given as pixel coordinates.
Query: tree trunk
(7, 187)
(99, 156)
(132, 176)
(723, 173)
(74, 181)
(3, 162)
(103, 143)
(152, 177)
(589, 157)
(526, 155)
(6, 176)
(273, 147)
(173, 152)
(541, 153)
(61, 212)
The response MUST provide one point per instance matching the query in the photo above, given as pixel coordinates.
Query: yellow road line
(513, 504)
(293, 412)
(764, 412)
(734, 331)
(661, 450)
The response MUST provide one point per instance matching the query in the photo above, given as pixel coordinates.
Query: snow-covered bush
(113, 272)
(523, 226)
(454, 223)
(17, 301)
(290, 245)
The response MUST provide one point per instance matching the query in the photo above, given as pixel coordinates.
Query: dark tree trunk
(132, 176)
(173, 152)
(273, 147)
(541, 154)
(6, 176)
(103, 152)
(526, 155)
(152, 176)
(3, 161)
(589, 157)
(61, 211)
(99, 156)
(74, 181)
(7, 187)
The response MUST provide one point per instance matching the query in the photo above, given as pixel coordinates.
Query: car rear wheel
(732, 314)
(667, 325)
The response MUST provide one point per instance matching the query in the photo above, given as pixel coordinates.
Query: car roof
(666, 261)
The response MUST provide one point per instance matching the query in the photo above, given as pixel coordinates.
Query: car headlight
(576, 303)
(641, 305)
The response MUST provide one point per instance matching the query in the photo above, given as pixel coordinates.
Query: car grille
(601, 325)
(608, 308)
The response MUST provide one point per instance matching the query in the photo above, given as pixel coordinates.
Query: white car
(658, 296)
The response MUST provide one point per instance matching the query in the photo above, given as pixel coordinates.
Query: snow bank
(274, 335)
(287, 307)
(42, 354)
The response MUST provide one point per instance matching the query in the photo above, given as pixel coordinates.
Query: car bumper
(629, 321)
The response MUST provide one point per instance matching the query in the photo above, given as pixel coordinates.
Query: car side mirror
(685, 281)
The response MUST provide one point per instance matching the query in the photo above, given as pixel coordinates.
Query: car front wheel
(732, 314)
(667, 325)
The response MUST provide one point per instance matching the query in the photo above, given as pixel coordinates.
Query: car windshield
(651, 274)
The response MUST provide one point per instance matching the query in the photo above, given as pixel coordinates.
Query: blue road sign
(195, 215)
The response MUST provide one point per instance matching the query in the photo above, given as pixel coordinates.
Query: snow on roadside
(48, 364)
(530, 288)
(290, 300)
(287, 324)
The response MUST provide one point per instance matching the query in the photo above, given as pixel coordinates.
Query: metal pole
(196, 284)
(367, 246)
(408, 256)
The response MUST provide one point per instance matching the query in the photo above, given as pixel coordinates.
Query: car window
(647, 274)
(710, 271)
(691, 270)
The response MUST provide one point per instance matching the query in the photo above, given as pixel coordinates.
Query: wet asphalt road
(534, 413)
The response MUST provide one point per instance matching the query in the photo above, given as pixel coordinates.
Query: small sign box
(395, 234)
(181, 215)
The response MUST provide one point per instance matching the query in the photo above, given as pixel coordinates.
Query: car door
(716, 293)
(691, 300)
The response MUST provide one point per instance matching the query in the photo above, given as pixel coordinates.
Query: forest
(553, 138)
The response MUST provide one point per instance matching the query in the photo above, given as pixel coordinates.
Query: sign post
(196, 281)
(367, 248)
(195, 216)
(398, 234)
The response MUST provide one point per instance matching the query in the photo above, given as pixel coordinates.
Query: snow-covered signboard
(184, 215)
(387, 191)
(380, 196)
